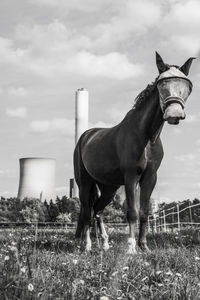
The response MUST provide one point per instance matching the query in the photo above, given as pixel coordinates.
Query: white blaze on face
(174, 89)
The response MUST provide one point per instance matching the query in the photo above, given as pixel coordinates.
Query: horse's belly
(104, 172)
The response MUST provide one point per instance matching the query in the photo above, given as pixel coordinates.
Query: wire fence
(173, 218)
(170, 219)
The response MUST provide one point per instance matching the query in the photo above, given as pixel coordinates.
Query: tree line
(62, 210)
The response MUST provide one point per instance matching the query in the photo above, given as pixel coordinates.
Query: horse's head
(174, 87)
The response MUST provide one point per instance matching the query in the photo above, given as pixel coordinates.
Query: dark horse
(129, 154)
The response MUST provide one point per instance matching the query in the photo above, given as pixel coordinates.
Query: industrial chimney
(37, 178)
(81, 112)
(81, 123)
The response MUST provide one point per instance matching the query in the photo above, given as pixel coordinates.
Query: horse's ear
(186, 66)
(160, 63)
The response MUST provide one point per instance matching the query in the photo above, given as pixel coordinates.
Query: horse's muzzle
(173, 113)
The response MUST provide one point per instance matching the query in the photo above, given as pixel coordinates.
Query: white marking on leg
(88, 246)
(104, 236)
(131, 245)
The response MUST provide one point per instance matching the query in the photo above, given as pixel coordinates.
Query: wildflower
(114, 273)
(64, 263)
(178, 275)
(158, 272)
(75, 261)
(146, 264)
(197, 258)
(13, 248)
(30, 287)
(6, 257)
(160, 284)
(169, 273)
(23, 269)
(103, 298)
(145, 278)
(81, 281)
(125, 268)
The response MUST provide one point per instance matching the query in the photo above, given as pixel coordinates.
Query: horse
(129, 154)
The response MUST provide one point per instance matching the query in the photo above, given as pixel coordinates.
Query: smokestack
(81, 121)
(81, 112)
(37, 178)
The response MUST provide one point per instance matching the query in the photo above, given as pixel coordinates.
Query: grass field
(49, 264)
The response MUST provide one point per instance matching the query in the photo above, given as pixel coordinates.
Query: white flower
(114, 273)
(197, 258)
(23, 269)
(7, 257)
(81, 281)
(125, 268)
(158, 272)
(13, 248)
(75, 261)
(169, 273)
(104, 298)
(30, 287)
(178, 275)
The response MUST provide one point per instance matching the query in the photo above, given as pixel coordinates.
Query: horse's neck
(146, 116)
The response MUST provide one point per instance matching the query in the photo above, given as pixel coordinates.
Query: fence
(163, 220)
(172, 218)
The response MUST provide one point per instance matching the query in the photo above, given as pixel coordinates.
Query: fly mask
(174, 88)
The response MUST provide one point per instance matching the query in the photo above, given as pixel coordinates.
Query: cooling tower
(37, 178)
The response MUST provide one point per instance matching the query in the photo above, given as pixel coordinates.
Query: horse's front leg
(131, 183)
(147, 184)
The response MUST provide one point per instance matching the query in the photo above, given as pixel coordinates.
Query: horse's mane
(145, 93)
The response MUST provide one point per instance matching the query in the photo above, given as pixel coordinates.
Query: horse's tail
(93, 198)
(79, 172)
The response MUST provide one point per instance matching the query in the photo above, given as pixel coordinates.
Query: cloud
(192, 118)
(75, 5)
(8, 172)
(18, 92)
(100, 124)
(117, 114)
(20, 112)
(181, 24)
(111, 65)
(52, 51)
(186, 157)
(58, 126)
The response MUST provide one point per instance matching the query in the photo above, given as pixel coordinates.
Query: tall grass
(52, 265)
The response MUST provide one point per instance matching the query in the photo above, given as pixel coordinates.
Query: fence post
(154, 223)
(178, 218)
(164, 221)
(173, 219)
(190, 213)
(148, 222)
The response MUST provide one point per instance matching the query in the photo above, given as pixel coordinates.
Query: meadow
(50, 264)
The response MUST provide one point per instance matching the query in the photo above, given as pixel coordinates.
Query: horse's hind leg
(107, 194)
(85, 218)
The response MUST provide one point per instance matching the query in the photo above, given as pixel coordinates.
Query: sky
(50, 48)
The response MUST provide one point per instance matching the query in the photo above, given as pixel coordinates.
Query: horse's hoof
(88, 248)
(144, 248)
(131, 246)
(105, 246)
